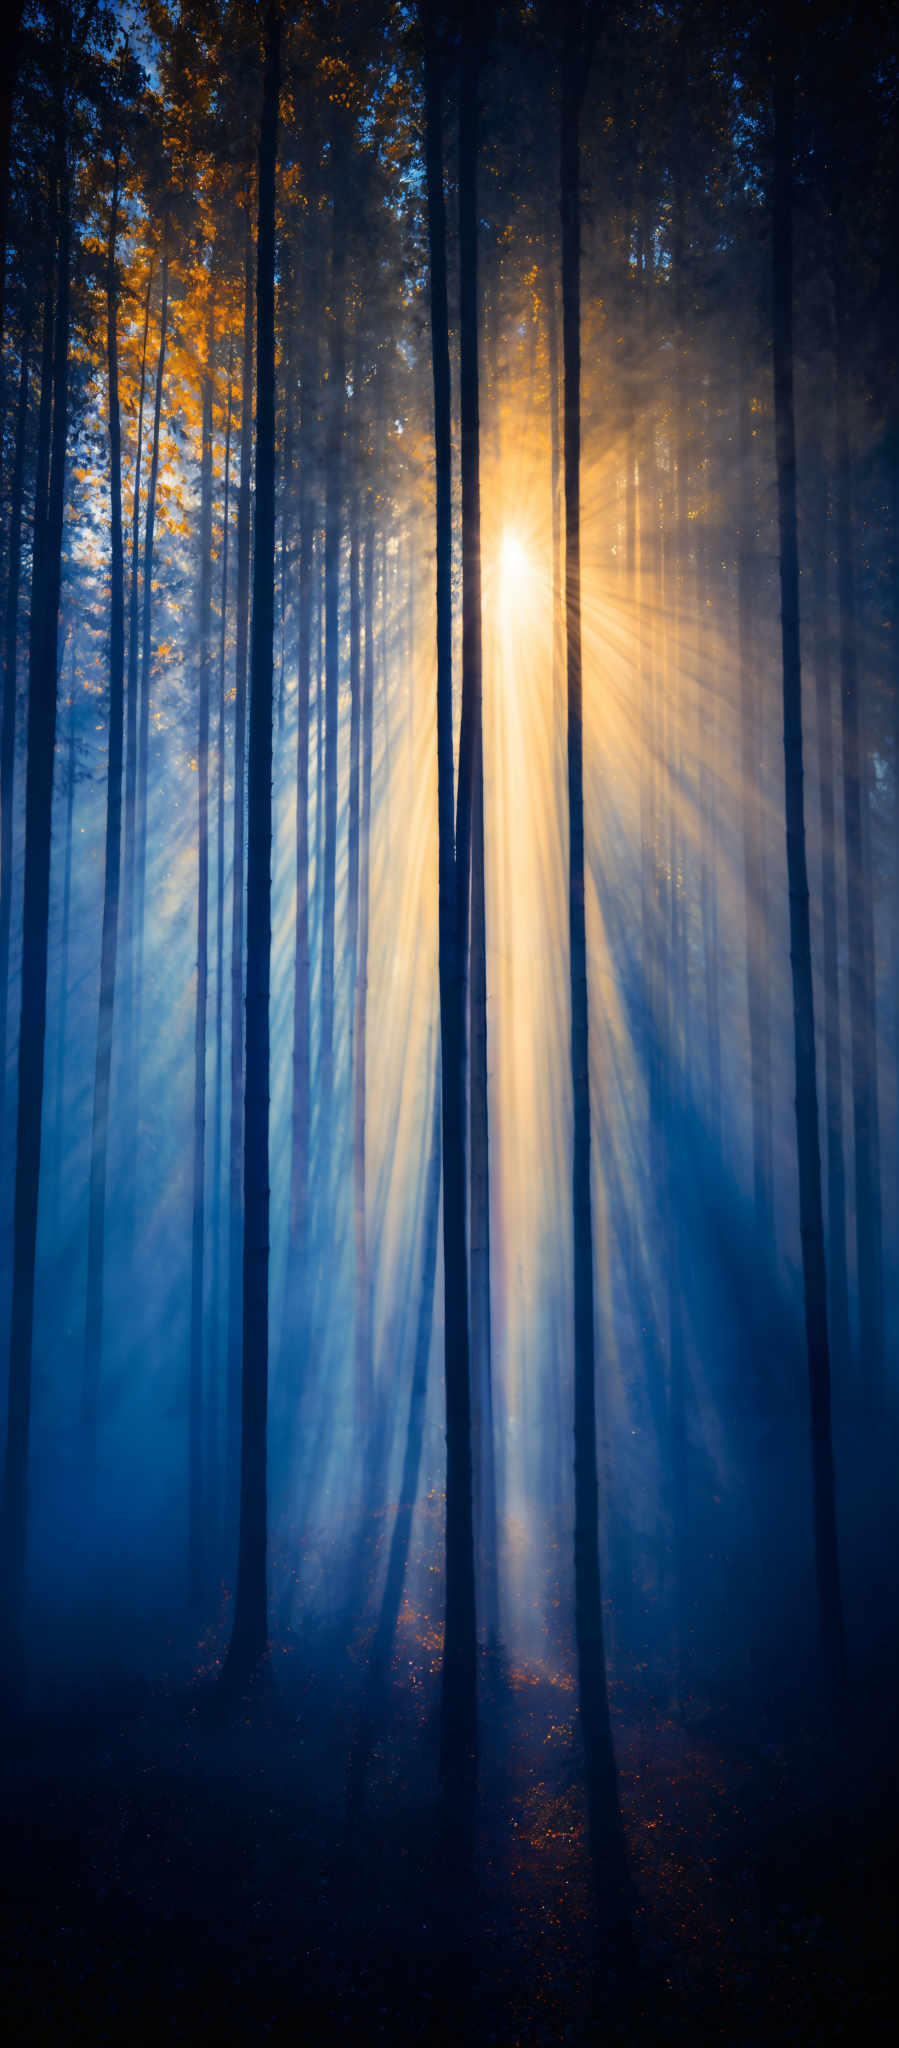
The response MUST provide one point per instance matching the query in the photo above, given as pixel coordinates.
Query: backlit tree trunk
(604, 1824)
(807, 1141)
(248, 1647)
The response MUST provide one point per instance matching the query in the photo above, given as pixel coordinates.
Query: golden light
(515, 572)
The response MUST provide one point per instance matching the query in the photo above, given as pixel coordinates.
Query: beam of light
(515, 578)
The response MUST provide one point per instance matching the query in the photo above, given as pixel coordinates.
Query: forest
(449, 1018)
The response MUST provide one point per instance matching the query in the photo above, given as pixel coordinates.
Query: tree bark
(8, 721)
(837, 1270)
(333, 510)
(484, 1478)
(604, 1823)
(755, 885)
(196, 1509)
(862, 976)
(300, 1117)
(458, 1709)
(143, 752)
(807, 1141)
(364, 1386)
(249, 1641)
(93, 1330)
(43, 656)
(238, 856)
(214, 1404)
(131, 702)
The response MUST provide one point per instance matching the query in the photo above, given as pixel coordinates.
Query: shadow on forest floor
(173, 1875)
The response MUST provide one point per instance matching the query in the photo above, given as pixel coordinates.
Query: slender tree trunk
(238, 848)
(62, 1012)
(198, 1232)
(131, 703)
(755, 886)
(287, 500)
(333, 507)
(362, 1352)
(8, 720)
(862, 976)
(143, 752)
(604, 1824)
(837, 1270)
(459, 1710)
(93, 1329)
(674, 699)
(355, 580)
(213, 1405)
(43, 653)
(807, 1143)
(555, 476)
(394, 1578)
(297, 1245)
(364, 1389)
(9, 64)
(248, 1646)
(320, 756)
(484, 1480)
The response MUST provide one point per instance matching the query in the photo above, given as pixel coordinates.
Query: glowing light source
(514, 571)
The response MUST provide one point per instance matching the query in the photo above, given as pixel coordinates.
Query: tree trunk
(131, 710)
(143, 752)
(397, 1558)
(213, 1405)
(242, 636)
(862, 976)
(355, 582)
(8, 721)
(484, 1481)
(9, 64)
(297, 1242)
(364, 1390)
(198, 1232)
(459, 1711)
(93, 1329)
(837, 1271)
(604, 1824)
(807, 1143)
(755, 886)
(62, 1013)
(43, 654)
(333, 508)
(248, 1647)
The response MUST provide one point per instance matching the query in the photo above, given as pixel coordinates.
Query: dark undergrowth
(173, 1872)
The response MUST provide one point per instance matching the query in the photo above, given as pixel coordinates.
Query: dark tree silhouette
(604, 1822)
(42, 680)
(807, 1140)
(93, 1332)
(459, 1713)
(249, 1640)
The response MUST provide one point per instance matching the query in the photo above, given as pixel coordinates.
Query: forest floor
(172, 1874)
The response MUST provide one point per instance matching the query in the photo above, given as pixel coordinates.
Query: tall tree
(46, 576)
(238, 862)
(604, 1821)
(807, 1139)
(249, 1639)
(333, 511)
(459, 1674)
(8, 716)
(143, 753)
(93, 1332)
(132, 684)
(471, 750)
(862, 974)
(198, 1232)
